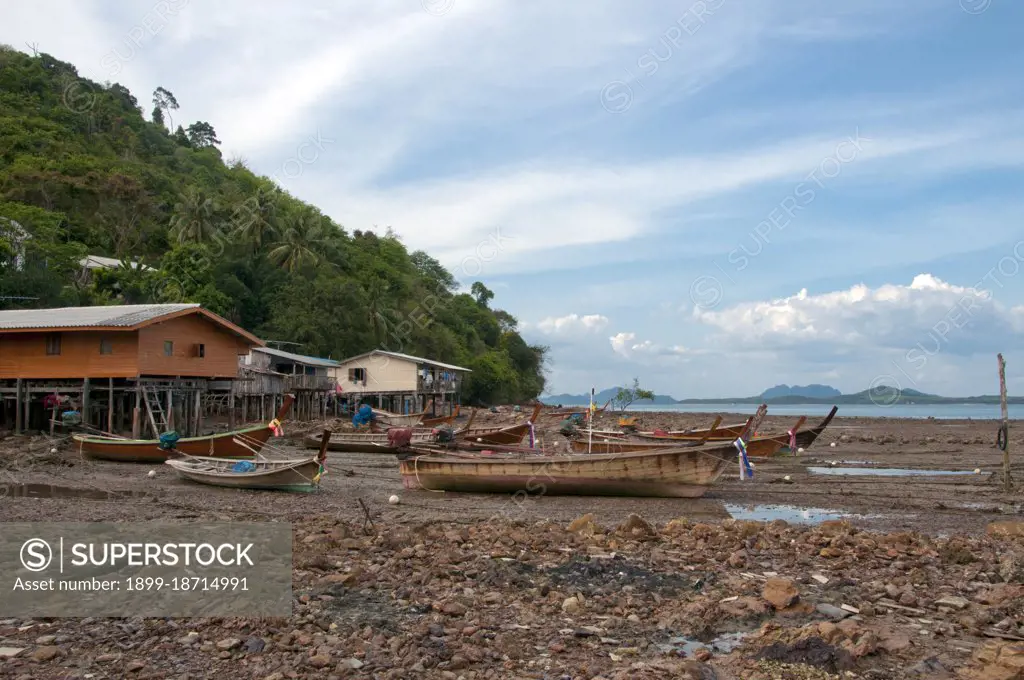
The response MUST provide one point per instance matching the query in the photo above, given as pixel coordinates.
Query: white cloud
(929, 314)
(571, 324)
(623, 343)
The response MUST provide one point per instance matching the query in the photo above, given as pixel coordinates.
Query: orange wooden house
(147, 364)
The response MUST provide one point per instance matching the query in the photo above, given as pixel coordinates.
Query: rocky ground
(919, 577)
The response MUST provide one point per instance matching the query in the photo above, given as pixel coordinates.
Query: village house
(120, 367)
(266, 374)
(400, 383)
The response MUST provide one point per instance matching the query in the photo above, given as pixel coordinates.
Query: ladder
(155, 410)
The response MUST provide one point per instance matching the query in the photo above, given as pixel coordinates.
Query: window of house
(201, 351)
(106, 346)
(168, 348)
(357, 374)
(53, 344)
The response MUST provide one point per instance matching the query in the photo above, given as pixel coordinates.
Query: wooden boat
(376, 441)
(441, 420)
(399, 419)
(672, 472)
(511, 435)
(360, 442)
(757, 447)
(804, 438)
(573, 412)
(713, 433)
(243, 443)
(281, 475)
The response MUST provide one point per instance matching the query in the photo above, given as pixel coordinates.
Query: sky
(714, 197)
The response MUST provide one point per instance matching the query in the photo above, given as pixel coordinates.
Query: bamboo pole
(1007, 483)
(18, 423)
(110, 404)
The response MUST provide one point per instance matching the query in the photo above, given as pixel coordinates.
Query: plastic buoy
(394, 500)
(53, 450)
(787, 478)
(152, 473)
(977, 471)
(800, 450)
(833, 445)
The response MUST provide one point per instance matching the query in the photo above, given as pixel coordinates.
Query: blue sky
(714, 197)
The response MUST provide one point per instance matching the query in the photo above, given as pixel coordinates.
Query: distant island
(796, 394)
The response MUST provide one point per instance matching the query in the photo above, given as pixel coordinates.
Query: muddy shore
(476, 586)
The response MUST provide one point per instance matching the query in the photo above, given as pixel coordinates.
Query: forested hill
(82, 171)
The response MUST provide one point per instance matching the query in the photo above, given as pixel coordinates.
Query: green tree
(202, 135)
(481, 293)
(298, 244)
(163, 103)
(195, 217)
(625, 396)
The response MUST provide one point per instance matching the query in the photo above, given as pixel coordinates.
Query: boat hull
(674, 473)
(288, 478)
(238, 444)
(756, 448)
(363, 443)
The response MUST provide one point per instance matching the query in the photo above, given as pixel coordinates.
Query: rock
(1005, 529)
(135, 666)
(1000, 661)
(571, 605)
(228, 644)
(10, 652)
(191, 638)
(255, 645)
(695, 670)
(46, 653)
(320, 660)
(812, 651)
(353, 663)
(583, 525)
(780, 592)
(895, 642)
(953, 602)
(454, 609)
(831, 611)
(637, 527)
(45, 639)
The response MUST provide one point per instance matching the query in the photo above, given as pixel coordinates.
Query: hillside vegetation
(82, 171)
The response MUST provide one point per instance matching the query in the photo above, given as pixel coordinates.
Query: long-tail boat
(441, 420)
(757, 447)
(244, 443)
(672, 472)
(377, 441)
(795, 436)
(713, 433)
(296, 474)
(399, 419)
(510, 435)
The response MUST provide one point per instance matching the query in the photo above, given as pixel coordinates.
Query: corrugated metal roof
(86, 317)
(409, 357)
(297, 358)
(100, 262)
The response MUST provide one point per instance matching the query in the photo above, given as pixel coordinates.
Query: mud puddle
(790, 513)
(887, 472)
(688, 646)
(56, 491)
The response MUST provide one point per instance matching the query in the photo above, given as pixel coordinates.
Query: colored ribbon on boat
(275, 427)
(533, 441)
(746, 469)
(792, 442)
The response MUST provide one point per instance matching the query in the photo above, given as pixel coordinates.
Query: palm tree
(298, 243)
(376, 290)
(194, 218)
(255, 218)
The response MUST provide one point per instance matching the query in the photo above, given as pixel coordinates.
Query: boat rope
(416, 469)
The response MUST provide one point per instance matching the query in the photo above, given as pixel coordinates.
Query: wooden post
(85, 402)
(53, 417)
(136, 413)
(231, 407)
(170, 410)
(1007, 483)
(18, 423)
(197, 414)
(28, 406)
(110, 411)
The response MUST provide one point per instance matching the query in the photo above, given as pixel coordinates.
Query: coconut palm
(195, 218)
(299, 243)
(255, 219)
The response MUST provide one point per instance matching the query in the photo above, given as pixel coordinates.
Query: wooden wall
(383, 374)
(222, 349)
(23, 355)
